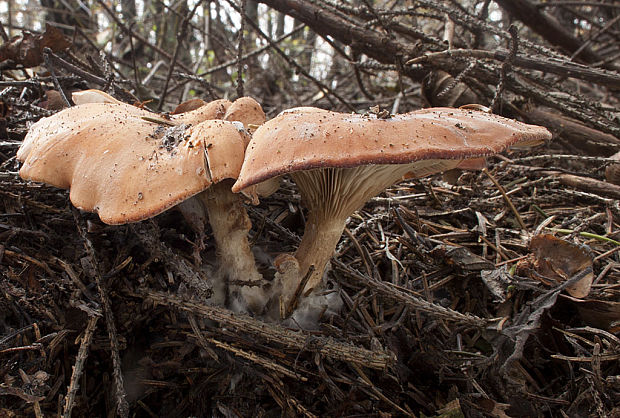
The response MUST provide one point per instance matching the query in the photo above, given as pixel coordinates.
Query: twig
(585, 158)
(242, 7)
(394, 292)
(136, 77)
(143, 40)
(297, 340)
(288, 403)
(252, 53)
(122, 407)
(15, 333)
(255, 358)
(210, 88)
(506, 198)
(590, 185)
(594, 36)
(458, 79)
(540, 63)
(180, 38)
(201, 339)
(322, 86)
(148, 234)
(80, 360)
(300, 287)
(365, 381)
(514, 45)
(76, 70)
(3, 34)
(586, 235)
(46, 56)
(583, 359)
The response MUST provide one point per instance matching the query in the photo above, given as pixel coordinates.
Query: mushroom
(128, 164)
(92, 96)
(119, 162)
(188, 105)
(189, 112)
(247, 111)
(339, 161)
(251, 114)
(212, 110)
(236, 257)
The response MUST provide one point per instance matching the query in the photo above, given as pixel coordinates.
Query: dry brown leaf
(462, 258)
(558, 260)
(27, 49)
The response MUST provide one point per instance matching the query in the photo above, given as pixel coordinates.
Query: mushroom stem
(230, 224)
(332, 195)
(321, 236)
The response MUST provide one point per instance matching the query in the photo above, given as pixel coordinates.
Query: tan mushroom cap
(62, 123)
(251, 114)
(125, 167)
(246, 110)
(307, 138)
(192, 111)
(339, 161)
(188, 106)
(212, 110)
(92, 96)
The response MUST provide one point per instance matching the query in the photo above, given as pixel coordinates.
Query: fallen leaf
(27, 49)
(557, 260)
(612, 171)
(493, 408)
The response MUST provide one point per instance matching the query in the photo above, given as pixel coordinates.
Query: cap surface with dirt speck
(119, 162)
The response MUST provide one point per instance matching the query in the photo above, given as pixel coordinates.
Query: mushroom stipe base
(230, 225)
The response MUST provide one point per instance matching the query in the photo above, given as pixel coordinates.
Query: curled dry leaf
(497, 281)
(27, 49)
(493, 408)
(451, 409)
(556, 260)
(54, 101)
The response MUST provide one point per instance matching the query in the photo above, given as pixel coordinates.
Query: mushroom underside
(331, 196)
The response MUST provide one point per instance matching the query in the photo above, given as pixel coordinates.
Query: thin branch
(80, 361)
(298, 340)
